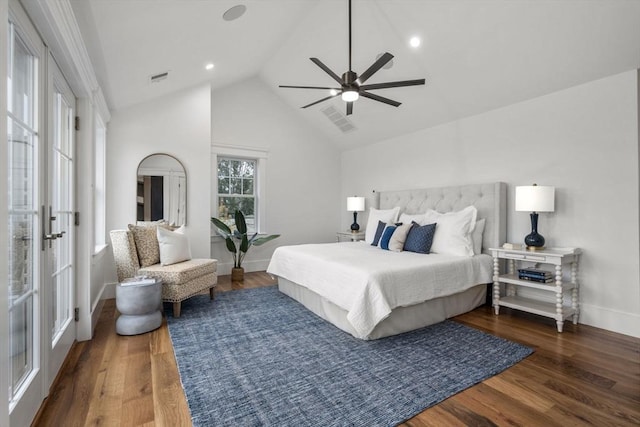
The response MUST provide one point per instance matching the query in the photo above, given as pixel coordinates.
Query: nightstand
(556, 258)
(350, 236)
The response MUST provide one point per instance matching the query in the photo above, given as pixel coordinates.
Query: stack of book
(138, 280)
(535, 275)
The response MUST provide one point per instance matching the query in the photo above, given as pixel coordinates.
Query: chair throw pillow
(146, 243)
(174, 246)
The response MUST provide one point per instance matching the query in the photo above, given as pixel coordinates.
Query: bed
(371, 293)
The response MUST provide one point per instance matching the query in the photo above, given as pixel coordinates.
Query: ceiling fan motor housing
(349, 80)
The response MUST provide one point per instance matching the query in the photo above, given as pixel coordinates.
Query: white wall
(583, 141)
(179, 125)
(303, 168)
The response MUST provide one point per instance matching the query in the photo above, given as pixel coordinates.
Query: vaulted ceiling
(476, 55)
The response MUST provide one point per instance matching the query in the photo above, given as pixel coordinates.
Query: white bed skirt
(401, 319)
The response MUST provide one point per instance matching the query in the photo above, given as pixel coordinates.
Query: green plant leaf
(244, 244)
(255, 235)
(231, 247)
(226, 231)
(241, 224)
(265, 239)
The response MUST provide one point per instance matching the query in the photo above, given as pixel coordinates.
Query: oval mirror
(162, 190)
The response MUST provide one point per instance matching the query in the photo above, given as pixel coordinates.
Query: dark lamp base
(355, 226)
(534, 240)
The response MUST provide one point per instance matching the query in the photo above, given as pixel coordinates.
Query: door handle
(51, 236)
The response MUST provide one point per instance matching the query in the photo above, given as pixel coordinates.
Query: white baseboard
(611, 320)
(258, 265)
(593, 315)
(109, 291)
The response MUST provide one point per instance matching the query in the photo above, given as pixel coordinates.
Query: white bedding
(369, 282)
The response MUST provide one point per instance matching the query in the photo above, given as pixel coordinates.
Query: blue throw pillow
(378, 234)
(386, 236)
(420, 238)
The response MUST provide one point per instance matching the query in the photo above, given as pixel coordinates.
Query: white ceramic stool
(140, 307)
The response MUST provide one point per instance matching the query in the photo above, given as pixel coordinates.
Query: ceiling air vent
(158, 77)
(338, 119)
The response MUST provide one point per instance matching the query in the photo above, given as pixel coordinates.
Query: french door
(59, 217)
(40, 111)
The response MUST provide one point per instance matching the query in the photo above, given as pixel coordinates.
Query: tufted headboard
(489, 199)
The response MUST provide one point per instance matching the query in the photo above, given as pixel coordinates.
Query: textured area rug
(256, 357)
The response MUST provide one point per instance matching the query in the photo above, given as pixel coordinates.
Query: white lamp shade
(355, 204)
(535, 198)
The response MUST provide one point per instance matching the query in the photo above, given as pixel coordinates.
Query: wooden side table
(555, 257)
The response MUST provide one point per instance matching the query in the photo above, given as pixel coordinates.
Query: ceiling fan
(351, 85)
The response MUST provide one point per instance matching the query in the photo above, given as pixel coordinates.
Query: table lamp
(355, 204)
(535, 198)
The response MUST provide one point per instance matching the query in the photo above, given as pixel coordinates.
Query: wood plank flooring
(584, 376)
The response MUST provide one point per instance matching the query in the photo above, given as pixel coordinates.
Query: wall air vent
(338, 119)
(158, 77)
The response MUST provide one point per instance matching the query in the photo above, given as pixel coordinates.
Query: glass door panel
(25, 391)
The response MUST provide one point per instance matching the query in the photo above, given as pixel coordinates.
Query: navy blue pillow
(379, 231)
(386, 236)
(420, 238)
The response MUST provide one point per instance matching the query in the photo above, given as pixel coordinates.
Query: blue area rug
(256, 357)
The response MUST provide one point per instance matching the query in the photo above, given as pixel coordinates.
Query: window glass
(236, 190)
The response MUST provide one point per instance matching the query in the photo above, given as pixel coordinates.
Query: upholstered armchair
(180, 281)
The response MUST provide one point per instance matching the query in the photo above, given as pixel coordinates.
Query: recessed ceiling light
(415, 41)
(209, 66)
(234, 13)
(333, 92)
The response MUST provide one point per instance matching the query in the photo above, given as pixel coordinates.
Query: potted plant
(238, 251)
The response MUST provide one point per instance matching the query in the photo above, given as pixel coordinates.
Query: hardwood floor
(584, 376)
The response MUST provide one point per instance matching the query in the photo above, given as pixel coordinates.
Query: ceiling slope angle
(477, 56)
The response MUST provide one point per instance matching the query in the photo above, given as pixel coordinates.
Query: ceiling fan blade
(380, 98)
(349, 108)
(326, 69)
(393, 84)
(319, 101)
(311, 87)
(375, 67)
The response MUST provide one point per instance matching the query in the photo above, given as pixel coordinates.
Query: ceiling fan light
(350, 95)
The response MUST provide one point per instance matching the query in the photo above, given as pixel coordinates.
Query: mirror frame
(185, 182)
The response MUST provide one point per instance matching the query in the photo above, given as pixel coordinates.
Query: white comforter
(369, 282)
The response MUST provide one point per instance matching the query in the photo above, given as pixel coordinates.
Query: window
(236, 190)
(99, 188)
(238, 175)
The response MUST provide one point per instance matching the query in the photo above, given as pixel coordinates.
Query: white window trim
(241, 152)
(99, 206)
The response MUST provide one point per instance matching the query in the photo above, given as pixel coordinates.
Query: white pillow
(408, 219)
(453, 231)
(399, 236)
(375, 215)
(174, 246)
(476, 236)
